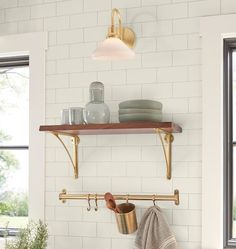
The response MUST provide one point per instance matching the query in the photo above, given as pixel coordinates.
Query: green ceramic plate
(140, 117)
(134, 110)
(140, 104)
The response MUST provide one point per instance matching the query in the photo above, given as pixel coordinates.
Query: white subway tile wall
(167, 68)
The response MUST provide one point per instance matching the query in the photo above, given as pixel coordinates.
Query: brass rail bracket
(64, 196)
(74, 159)
(166, 142)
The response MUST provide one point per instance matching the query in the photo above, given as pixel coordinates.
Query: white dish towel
(154, 231)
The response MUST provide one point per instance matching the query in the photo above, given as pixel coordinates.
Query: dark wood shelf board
(113, 128)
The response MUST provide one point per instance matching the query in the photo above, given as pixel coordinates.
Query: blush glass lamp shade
(113, 49)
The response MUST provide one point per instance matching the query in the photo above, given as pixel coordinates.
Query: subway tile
(94, 66)
(142, 14)
(43, 10)
(69, 7)
(69, 95)
(195, 73)
(159, 59)
(195, 234)
(141, 169)
(100, 184)
(93, 154)
(68, 242)
(172, 74)
(188, 185)
(52, 39)
(82, 49)
(34, 25)
(17, 14)
(82, 229)
(145, 45)
(91, 5)
(57, 52)
(195, 104)
(155, 2)
(28, 2)
(57, 81)
(69, 183)
(114, 77)
(160, 28)
(175, 105)
(68, 213)
(56, 23)
(204, 8)
(141, 76)
(124, 4)
(70, 36)
(195, 201)
(194, 41)
(110, 169)
(70, 65)
(49, 213)
(228, 6)
(98, 243)
(187, 217)
(124, 93)
(58, 228)
(186, 57)
(159, 185)
(83, 20)
(103, 214)
(187, 89)
(186, 26)
(172, 11)
(126, 184)
(174, 42)
(127, 64)
(131, 153)
(57, 169)
(82, 79)
(8, 4)
(181, 232)
(157, 91)
(122, 243)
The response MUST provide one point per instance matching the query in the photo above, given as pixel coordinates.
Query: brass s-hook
(96, 202)
(89, 205)
(154, 200)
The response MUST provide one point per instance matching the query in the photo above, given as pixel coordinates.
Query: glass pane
(234, 96)
(234, 193)
(13, 190)
(14, 107)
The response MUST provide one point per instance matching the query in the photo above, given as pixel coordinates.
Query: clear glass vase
(96, 111)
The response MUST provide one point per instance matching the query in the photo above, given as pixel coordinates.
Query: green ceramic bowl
(134, 110)
(140, 117)
(140, 104)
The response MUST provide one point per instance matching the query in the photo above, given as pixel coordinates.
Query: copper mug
(126, 220)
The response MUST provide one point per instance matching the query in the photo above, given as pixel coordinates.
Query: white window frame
(213, 30)
(34, 45)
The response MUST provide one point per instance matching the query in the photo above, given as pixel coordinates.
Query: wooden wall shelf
(163, 129)
(113, 128)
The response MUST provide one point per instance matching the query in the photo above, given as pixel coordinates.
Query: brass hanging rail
(63, 196)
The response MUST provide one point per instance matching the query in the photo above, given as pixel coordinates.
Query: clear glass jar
(96, 111)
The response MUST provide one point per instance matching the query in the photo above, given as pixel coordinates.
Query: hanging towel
(154, 231)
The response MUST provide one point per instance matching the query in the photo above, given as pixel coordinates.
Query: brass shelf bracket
(74, 159)
(166, 142)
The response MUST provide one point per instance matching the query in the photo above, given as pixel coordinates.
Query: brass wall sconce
(119, 41)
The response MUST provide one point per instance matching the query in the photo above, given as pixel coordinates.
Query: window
(33, 45)
(14, 144)
(229, 90)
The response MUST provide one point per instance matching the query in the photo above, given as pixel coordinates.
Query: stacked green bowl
(138, 110)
